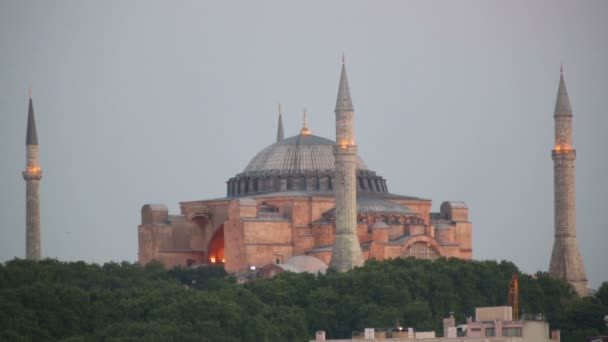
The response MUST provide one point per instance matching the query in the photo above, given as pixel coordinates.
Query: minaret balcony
(32, 174)
(564, 154)
(345, 149)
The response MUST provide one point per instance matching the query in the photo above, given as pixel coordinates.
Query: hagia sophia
(306, 203)
(280, 212)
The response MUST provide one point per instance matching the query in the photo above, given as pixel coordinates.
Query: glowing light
(33, 169)
(563, 147)
(305, 130)
(224, 260)
(213, 260)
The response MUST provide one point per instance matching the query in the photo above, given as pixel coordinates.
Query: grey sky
(159, 102)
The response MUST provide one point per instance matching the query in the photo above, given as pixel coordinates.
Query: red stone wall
(380, 235)
(234, 241)
(261, 255)
(464, 236)
(250, 241)
(323, 234)
(395, 231)
(267, 232)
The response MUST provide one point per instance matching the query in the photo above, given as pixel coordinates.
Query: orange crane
(513, 300)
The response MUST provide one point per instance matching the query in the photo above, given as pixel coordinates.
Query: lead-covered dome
(304, 162)
(301, 153)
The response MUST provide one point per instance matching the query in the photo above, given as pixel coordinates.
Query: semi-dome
(304, 162)
(298, 154)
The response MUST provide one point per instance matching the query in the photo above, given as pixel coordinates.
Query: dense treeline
(52, 300)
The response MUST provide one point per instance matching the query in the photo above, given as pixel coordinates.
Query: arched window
(421, 250)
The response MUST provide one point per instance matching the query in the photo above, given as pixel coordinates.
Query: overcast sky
(160, 102)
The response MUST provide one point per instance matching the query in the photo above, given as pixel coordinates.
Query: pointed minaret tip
(31, 138)
(280, 134)
(344, 102)
(562, 103)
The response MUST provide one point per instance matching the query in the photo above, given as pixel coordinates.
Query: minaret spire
(32, 176)
(562, 104)
(344, 102)
(31, 138)
(566, 262)
(346, 252)
(280, 135)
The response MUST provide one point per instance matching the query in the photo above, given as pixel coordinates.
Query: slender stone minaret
(32, 176)
(280, 135)
(347, 250)
(566, 262)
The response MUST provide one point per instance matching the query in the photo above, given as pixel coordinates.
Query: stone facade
(304, 200)
(272, 229)
(566, 261)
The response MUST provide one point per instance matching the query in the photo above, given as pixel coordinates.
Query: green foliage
(76, 301)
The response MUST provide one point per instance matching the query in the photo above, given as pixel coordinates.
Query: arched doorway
(216, 247)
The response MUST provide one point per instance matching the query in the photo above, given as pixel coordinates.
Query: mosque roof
(302, 153)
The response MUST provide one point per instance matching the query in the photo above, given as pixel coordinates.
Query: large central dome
(298, 154)
(302, 163)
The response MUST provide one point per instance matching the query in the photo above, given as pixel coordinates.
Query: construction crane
(513, 300)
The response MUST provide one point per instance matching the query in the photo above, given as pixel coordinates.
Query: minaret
(280, 135)
(32, 176)
(566, 262)
(347, 250)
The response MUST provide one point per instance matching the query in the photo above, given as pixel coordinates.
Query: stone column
(32, 177)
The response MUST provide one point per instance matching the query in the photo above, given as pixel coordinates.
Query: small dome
(305, 263)
(380, 225)
(298, 154)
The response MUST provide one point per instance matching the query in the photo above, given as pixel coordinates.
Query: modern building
(306, 197)
(497, 324)
(492, 324)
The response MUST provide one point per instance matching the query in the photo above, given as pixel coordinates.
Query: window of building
(421, 250)
(490, 332)
(511, 331)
